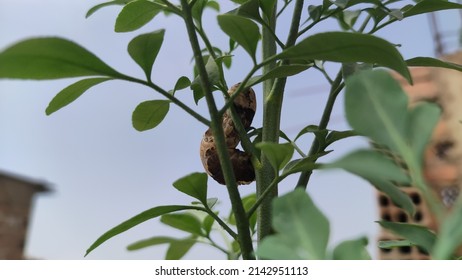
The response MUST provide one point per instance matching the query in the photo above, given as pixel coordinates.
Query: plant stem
(336, 88)
(242, 224)
(265, 174)
(273, 92)
(170, 97)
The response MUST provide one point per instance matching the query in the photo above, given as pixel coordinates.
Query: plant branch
(244, 236)
(272, 106)
(170, 97)
(336, 88)
(221, 223)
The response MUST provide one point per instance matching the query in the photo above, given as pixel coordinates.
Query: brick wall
(442, 167)
(16, 197)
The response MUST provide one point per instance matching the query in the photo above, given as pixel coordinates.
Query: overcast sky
(102, 171)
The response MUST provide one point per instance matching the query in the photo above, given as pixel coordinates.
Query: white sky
(103, 171)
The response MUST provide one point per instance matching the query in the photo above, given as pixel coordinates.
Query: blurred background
(101, 171)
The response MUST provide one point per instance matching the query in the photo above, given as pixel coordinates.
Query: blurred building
(16, 203)
(442, 166)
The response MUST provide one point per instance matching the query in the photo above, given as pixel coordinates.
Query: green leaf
(398, 197)
(315, 12)
(370, 165)
(302, 230)
(306, 164)
(71, 93)
(279, 72)
(182, 83)
(214, 78)
(377, 107)
(179, 248)
(51, 58)
(144, 49)
(422, 120)
(249, 9)
(428, 6)
(342, 4)
(207, 224)
(242, 30)
(157, 240)
(105, 4)
(348, 47)
(352, 250)
(267, 7)
(149, 114)
(183, 221)
(277, 154)
(432, 62)
(247, 202)
(136, 14)
(450, 236)
(194, 185)
(390, 244)
(335, 136)
(416, 234)
(136, 220)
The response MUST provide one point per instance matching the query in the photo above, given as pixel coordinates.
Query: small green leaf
(144, 49)
(397, 14)
(194, 185)
(136, 14)
(370, 165)
(450, 236)
(214, 78)
(416, 234)
(335, 136)
(302, 230)
(198, 9)
(149, 114)
(182, 83)
(248, 202)
(277, 154)
(428, 6)
(342, 4)
(390, 244)
(279, 72)
(348, 47)
(179, 248)
(207, 224)
(377, 107)
(136, 220)
(183, 221)
(398, 197)
(158, 240)
(51, 58)
(249, 9)
(422, 120)
(352, 250)
(105, 4)
(315, 12)
(433, 62)
(242, 30)
(305, 164)
(71, 93)
(267, 7)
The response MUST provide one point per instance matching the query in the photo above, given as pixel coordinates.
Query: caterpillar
(245, 105)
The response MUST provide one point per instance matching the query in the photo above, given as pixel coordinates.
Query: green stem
(170, 97)
(265, 174)
(221, 223)
(336, 88)
(244, 237)
(273, 92)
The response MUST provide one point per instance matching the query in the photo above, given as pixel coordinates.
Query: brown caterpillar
(245, 105)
